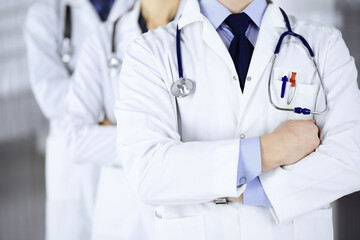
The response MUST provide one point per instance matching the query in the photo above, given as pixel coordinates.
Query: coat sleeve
(90, 143)
(162, 169)
(333, 170)
(48, 75)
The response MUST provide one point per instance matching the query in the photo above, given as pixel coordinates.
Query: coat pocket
(316, 225)
(304, 96)
(189, 228)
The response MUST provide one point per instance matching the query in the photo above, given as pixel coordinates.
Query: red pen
(292, 89)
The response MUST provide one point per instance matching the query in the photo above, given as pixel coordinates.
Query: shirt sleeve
(255, 195)
(249, 168)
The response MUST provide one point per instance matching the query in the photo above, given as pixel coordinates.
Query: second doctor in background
(118, 213)
(54, 33)
(225, 142)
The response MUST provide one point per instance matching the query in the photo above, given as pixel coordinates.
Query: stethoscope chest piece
(66, 50)
(114, 66)
(182, 87)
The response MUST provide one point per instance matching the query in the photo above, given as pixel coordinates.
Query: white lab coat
(183, 165)
(70, 188)
(118, 214)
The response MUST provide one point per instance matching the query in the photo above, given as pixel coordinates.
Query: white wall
(19, 113)
(318, 10)
(13, 67)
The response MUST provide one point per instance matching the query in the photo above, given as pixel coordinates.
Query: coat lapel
(272, 27)
(191, 13)
(268, 37)
(212, 39)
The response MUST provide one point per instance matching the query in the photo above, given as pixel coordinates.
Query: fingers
(105, 122)
(316, 126)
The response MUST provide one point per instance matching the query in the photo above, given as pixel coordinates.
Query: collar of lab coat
(119, 8)
(191, 13)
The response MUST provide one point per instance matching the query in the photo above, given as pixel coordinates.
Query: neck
(235, 6)
(158, 12)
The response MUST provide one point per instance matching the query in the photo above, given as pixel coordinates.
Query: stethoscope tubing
(298, 110)
(178, 52)
(68, 22)
(113, 37)
(66, 49)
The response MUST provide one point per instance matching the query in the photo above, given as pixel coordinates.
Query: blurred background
(23, 128)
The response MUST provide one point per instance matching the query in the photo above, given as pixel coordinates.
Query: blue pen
(283, 87)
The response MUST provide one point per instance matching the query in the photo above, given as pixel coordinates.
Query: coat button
(242, 180)
(248, 78)
(242, 136)
(235, 78)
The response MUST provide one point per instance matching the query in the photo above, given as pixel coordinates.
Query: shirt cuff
(254, 194)
(249, 165)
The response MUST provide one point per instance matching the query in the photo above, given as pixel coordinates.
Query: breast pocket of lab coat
(189, 228)
(304, 95)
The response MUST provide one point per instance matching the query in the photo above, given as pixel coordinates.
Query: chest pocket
(304, 95)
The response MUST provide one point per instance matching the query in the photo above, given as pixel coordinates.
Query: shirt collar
(217, 13)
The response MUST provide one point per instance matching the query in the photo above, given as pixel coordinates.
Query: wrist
(271, 154)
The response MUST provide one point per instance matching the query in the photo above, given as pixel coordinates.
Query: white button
(242, 180)
(235, 78)
(242, 136)
(248, 78)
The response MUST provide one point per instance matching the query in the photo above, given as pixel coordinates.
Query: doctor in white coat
(70, 188)
(118, 214)
(225, 139)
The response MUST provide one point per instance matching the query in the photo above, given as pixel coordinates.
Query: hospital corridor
(24, 128)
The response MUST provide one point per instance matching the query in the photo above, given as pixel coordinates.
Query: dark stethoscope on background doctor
(114, 62)
(66, 49)
(183, 86)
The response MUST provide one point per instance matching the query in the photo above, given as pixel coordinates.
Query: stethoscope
(298, 110)
(114, 62)
(66, 49)
(184, 87)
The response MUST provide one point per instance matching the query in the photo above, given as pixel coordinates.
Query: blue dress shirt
(249, 165)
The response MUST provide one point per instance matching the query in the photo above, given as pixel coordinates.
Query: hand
(235, 199)
(106, 122)
(289, 143)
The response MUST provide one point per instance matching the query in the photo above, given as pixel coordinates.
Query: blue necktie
(240, 48)
(103, 7)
